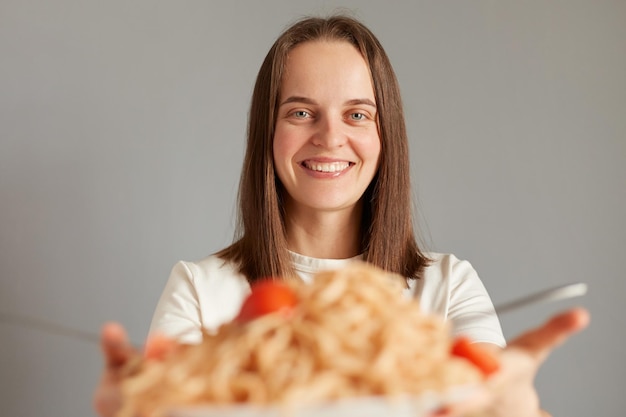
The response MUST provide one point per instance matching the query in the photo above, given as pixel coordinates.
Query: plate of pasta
(346, 344)
(425, 405)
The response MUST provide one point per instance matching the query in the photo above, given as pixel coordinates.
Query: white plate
(363, 407)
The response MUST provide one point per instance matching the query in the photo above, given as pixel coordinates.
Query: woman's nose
(329, 133)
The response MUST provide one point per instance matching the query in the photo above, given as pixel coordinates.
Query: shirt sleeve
(470, 308)
(177, 313)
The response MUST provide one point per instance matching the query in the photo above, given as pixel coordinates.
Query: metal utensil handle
(49, 327)
(561, 292)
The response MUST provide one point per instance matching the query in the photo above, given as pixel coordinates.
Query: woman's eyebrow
(298, 99)
(357, 101)
(306, 100)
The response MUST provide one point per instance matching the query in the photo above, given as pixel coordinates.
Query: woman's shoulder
(207, 269)
(445, 265)
(447, 271)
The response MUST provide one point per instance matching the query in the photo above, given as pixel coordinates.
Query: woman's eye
(357, 116)
(301, 114)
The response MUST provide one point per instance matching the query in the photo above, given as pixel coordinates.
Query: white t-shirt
(210, 292)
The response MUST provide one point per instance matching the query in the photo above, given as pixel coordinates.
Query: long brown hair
(387, 236)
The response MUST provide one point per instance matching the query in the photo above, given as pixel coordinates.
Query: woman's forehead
(326, 68)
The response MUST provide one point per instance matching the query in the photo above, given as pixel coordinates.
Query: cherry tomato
(482, 358)
(267, 296)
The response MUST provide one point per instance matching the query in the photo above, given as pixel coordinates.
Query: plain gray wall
(122, 127)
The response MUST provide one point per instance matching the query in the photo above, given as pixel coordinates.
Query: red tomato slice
(482, 358)
(266, 297)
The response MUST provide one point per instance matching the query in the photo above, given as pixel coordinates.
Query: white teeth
(326, 166)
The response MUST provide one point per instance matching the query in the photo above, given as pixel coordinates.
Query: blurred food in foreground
(349, 333)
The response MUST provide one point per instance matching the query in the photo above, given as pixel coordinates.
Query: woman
(326, 181)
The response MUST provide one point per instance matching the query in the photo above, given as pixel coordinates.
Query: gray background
(122, 126)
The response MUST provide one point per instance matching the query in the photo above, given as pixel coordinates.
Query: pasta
(351, 334)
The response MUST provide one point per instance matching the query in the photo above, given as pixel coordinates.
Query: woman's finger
(540, 341)
(115, 345)
(158, 346)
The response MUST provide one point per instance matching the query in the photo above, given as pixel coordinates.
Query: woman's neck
(328, 235)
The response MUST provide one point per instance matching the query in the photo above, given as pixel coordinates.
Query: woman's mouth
(326, 167)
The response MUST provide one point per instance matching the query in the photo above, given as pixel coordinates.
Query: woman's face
(326, 142)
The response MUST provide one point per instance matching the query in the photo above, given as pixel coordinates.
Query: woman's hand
(511, 392)
(118, 354)
(513, 388)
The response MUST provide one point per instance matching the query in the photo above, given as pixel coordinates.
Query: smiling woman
(325, 183)
(318, 79)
